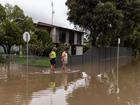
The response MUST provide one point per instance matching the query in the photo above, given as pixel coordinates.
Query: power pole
(52, 11)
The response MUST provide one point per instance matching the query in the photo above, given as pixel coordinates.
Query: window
(71, 37)
(62, 37)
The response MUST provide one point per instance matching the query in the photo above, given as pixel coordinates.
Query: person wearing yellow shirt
(52, 57)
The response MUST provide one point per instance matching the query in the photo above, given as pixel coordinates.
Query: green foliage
(2, 13)
(86, 47)
(13, 24)
(107, 20)
(44, 37)
(133, 41)
(40, 61)
(100, 18)
(61, 48)
(40, 43)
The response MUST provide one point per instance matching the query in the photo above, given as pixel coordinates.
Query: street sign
(118, 40)
(26, 36)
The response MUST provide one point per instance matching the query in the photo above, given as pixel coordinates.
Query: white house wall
(79, 50)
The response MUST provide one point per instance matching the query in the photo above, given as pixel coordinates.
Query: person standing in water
(64, 59)
(52, 57)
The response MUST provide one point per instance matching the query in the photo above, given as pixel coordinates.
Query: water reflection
(75, 88)
(43, 89)
(102, 88)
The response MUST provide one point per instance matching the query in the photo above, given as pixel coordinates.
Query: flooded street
(40, 88)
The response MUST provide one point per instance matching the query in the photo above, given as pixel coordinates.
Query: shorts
(53, 61)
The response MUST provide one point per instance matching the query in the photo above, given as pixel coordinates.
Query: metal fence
(99, 59)
(95, 59)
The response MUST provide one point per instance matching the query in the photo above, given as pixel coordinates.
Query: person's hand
(62, 59)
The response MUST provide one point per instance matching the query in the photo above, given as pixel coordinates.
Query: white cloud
(40, 10)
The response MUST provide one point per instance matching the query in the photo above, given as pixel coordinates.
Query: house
(68, 36)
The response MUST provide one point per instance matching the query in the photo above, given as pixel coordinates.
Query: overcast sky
(40, 10)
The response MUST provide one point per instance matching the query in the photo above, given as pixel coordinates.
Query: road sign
(26, 36)
(118, 40)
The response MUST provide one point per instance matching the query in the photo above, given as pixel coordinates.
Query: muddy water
(41, 88)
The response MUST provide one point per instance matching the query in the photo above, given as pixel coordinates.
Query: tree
(2, 13)
(131, 21)
(100, 18)
(106, 19)
(13, 24)
(41, 42)
(133, 41)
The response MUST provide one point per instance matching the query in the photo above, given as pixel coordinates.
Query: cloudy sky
(40, 10)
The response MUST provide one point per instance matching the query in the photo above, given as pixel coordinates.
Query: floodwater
(75, 88)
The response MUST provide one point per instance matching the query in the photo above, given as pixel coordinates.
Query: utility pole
(52, 11)
(53, 28)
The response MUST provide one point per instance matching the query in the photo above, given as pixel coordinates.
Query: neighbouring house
(68, 36)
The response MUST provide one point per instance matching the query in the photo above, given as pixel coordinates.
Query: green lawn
(40, 61)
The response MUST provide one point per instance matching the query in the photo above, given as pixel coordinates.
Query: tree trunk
(4, 48)
(93, 36)
(8, 49)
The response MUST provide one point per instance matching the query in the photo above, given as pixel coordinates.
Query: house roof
(51, 26)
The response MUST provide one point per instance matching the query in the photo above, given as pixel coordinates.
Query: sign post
(26, 38)
(118, 54)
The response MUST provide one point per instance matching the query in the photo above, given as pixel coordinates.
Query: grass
(40, 61)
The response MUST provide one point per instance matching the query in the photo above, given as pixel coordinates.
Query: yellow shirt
(52, 55)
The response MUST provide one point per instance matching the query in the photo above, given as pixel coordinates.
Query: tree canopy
(41, 43)
(13, 23)
(107, 19)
